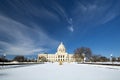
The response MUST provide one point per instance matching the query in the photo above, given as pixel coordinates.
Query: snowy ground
(67, 71)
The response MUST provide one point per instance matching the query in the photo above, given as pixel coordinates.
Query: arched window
(58, 56)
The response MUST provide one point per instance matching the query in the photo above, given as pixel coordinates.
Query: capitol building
(60, 55)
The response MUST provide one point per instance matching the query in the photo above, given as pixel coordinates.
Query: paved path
(67, 71)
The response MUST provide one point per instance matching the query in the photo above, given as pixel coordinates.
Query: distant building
(60, 55)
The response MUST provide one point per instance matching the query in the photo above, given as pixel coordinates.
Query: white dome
(61, 48)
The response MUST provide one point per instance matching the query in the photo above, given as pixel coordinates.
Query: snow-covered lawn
(67, 71)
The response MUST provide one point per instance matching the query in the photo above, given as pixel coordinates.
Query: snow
(106, 62)
(67, 71)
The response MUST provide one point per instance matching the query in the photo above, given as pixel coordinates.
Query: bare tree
(43, 59)
(19, 58)
(82, 52)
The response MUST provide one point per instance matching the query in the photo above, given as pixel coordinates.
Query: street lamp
(27, 59)
(84, 58)
(4, 55)
(117, 59)
(111, 57)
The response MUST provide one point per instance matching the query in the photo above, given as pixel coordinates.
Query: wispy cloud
(71, 28)
(95, 12)
(30, 9)
(56, 13)
(62, 14)
(60, 10)
(109, 17)
(70, 22)
(17, 38)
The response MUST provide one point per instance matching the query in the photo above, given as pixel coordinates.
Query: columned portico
(60, 55)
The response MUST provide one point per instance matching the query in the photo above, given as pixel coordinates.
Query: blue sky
(29, 27)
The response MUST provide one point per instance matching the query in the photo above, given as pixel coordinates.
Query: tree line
(80, 55)
(18, 58)
(84, 52)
